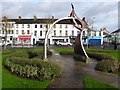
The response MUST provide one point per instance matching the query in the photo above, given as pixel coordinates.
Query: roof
(116, 31)
(40, 21)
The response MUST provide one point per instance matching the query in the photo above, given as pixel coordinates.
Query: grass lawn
(114, 53)
(12, 81)
(63, 49)
(92, 83)
(0, 72)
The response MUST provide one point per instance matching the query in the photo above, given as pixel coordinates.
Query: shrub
(37, 53)
(32, 54)
(32, 68)
(119, 67)
(110, 66)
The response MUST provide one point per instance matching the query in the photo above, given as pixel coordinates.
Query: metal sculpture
(79, 51)
(79, 24)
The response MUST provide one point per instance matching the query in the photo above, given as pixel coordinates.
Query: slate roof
(116, 31)
(40, 21)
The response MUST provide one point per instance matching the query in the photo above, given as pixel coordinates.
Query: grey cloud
(101, 8)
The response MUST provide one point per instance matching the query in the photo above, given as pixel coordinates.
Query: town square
(59, 44)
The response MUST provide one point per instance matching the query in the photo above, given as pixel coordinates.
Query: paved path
(74, 71)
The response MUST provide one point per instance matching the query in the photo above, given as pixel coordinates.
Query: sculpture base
(81, 58)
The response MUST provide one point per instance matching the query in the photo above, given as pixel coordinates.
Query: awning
(24, 38)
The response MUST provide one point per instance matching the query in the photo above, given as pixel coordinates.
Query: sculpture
(79, 51)
(79, 24)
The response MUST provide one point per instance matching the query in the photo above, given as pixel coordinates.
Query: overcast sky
(104, 11)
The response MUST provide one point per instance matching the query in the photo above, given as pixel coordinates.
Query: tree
(47, 22)
(5, 27)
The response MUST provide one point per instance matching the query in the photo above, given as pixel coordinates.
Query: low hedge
(110, 66)
(37, 53)
(32, 68)
(30, 54)
(107, 62)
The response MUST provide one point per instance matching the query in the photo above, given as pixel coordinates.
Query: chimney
(52, 17)
(5, 18)
(19, 17)
(35, 18)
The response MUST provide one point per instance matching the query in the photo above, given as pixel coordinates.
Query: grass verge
(0, 72)
(12, 81)
(92, 83)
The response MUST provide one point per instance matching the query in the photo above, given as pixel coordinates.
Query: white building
(32, 30)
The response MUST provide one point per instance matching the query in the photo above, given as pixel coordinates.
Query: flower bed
(32, 68)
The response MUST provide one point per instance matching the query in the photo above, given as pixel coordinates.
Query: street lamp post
(92, 29)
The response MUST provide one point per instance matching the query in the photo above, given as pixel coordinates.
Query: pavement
(73, 72)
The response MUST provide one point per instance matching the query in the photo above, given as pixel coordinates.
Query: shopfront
(24, 39)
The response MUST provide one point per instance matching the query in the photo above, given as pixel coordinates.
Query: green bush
(110, 66)
(32, 68)
(37, 53)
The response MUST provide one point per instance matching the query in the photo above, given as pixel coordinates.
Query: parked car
(64, 43)
(40, 43)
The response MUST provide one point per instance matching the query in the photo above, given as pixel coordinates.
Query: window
(16, 31)
(35, 26)
(46, 26)
(60, 26)
(3, 32)
(83, 33)
(12, 31)
(12, 24)
(66, 26)
(95, 33)
(55, 26)
(28, 31)
(66, 33)
(54, 32)
(35, 33)
(72, 33)
(78, 32)
(40, 26)
(11, 38)
(40, 33)
(60, 32)
(9, 25)
(16, 25)
(28, 25)
(99, 33)
(22, 25)
(22, 31)
(3, 24)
